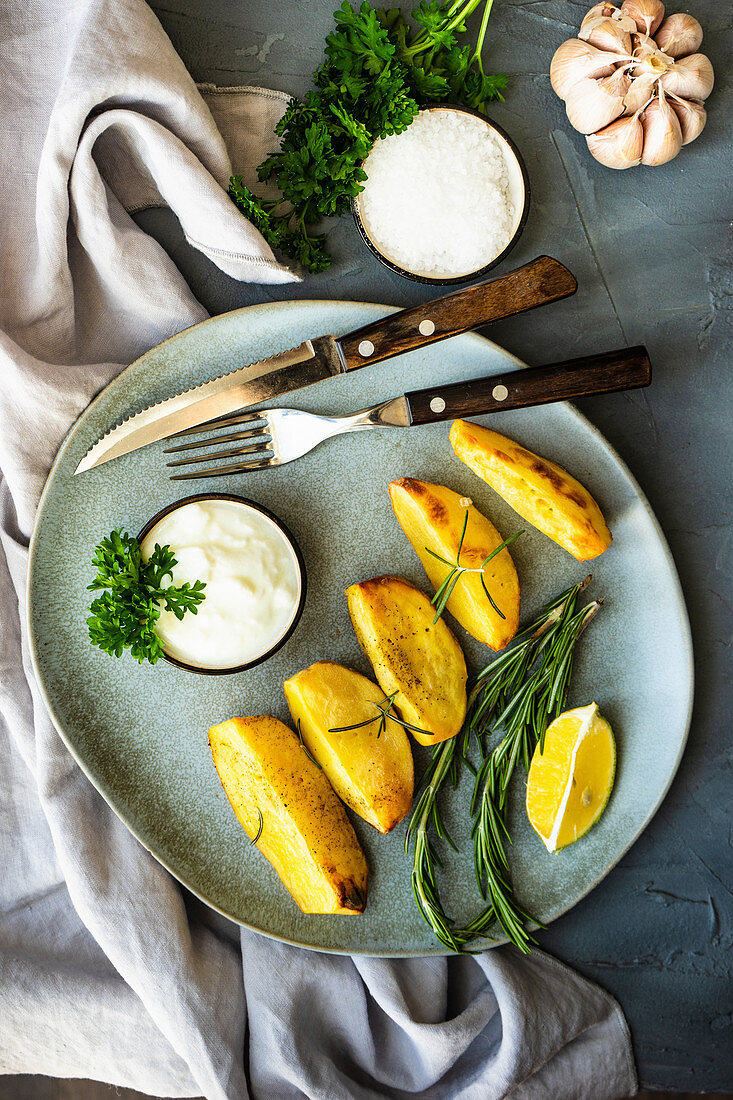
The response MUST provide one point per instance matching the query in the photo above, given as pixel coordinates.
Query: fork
(273, 437)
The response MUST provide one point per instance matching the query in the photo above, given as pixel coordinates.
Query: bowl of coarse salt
(445, 200)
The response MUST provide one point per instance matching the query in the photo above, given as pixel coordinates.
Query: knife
(541, 281)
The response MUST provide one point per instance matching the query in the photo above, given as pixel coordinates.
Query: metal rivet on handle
(366, 348)
(426, 327)
(437, 404)
(500, 393)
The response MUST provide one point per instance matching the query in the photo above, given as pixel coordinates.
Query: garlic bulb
(592, 104)
(690, 77)
(679, 35)
(619, 145)
(633, 82)
(662, 132)
(575, 60)
(606, 34)
(647, 14)
(691, 116)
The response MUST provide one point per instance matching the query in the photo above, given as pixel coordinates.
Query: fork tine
(230, 452)
(221, 422)
(231, 437)
(232, 468)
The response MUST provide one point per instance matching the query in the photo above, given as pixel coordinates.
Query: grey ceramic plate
(139, 733)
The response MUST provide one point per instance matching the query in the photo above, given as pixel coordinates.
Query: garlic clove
(662, 132)
(647, 14)
(590, 106)
(642, 46)
(619, 145)
(574, 60)
(679, 35)
(691, 116)
(604, 11)
(609, 11)
(690, 77)
(642, 89)
(617, 84)
(606, 34)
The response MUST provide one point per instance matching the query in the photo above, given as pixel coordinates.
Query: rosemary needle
(424, 815)
(456, 571)
(519, 693)
(385, 709)
(305, 748)
(259, 830)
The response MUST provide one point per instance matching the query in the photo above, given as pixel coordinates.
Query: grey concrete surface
(651, 249)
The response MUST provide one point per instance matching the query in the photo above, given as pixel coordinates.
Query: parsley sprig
(124, 617)
(376, 72)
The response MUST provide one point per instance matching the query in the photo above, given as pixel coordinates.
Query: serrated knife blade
(534, 284)
(309, 362)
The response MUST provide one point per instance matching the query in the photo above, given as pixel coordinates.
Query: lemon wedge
(570, 782)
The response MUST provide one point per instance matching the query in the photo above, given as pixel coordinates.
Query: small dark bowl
(519, 190)
(289, 537)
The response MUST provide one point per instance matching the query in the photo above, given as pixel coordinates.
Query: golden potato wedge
(541, 492)
(420, 660)
(432, 517)
(369, 767)
(305, 832)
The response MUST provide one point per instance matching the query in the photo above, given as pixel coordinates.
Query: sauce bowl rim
(231, 670)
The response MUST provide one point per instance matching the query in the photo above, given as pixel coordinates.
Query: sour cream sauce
(253, 582)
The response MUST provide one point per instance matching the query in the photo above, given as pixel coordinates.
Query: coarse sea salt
(436, 200)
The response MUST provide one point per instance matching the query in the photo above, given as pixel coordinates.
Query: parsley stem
(476, 56)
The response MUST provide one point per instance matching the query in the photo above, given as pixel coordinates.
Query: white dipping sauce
(253, 582)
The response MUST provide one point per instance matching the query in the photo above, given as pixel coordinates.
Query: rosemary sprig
(456, 571)
(444, 764)
(522, 709)
(255, 838)
(305, 748)
(526, 687)
(385, 709)
(519, 692)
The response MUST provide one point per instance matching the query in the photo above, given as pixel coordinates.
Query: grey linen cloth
(108, 970)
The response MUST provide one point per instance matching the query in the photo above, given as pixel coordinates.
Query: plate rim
(681, 608)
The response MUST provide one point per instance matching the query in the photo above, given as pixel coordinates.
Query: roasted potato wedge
(541, 491)
(369, 767)
(432, 517)
(420, 660)
(305, 832)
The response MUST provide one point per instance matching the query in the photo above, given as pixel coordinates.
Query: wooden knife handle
(625, 369)
(535, 284)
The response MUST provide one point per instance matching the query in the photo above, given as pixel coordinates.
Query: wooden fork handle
(535, 284)
(626, 369)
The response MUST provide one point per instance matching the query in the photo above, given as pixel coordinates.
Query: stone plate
(140, 732)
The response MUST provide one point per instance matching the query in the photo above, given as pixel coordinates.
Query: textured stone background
(651, 249)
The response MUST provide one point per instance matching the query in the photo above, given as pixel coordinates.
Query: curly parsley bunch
(124, 617)
(376, 71)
